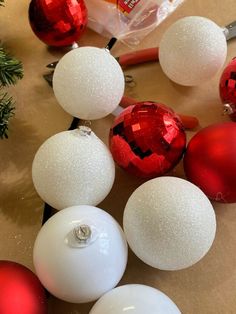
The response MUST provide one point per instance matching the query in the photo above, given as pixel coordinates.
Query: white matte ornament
(73, 168)
(135, 299)
(76, 264)
(192, 50)
(169, 223)
(88, 83)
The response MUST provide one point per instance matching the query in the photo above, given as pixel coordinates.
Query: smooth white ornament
(88, 83)
(169, 223)
(192, 50)
(73, 168)
(76, 264)
(135, 299)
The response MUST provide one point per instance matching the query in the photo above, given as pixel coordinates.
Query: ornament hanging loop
(129, 80)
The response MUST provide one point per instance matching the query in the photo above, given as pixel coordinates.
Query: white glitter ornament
(192, 50)
(88, 83)
(169, 223)
(135, 299)
(73, 168)
(80, 253)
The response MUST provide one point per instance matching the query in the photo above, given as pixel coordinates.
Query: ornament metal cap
(84, 130)
(83, 233)
(229, 109)
(230, 31)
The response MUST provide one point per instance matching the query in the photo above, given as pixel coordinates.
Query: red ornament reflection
(147, 139)
(58, 22)
(210, 161)
(228, 88)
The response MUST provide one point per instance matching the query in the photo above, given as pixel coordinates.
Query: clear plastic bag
(128, 20)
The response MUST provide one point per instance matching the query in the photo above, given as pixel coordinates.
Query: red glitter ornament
(210, 161)
(228, 89)
(21, 291)
(147, 139)
(58, 22)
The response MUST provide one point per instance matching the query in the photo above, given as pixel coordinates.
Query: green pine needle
(6, 112)
(10, 69)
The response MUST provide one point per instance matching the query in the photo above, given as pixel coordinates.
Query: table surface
(206, 288)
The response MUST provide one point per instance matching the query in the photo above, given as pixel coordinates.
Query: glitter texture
(83, 274)
(73, 169)
(169, 223)
(192, 50)
(58, 22)
(147, 139)
(88, 83)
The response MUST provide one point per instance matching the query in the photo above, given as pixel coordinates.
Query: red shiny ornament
(58, 22)
(228, 88)
(147, 139)
(210, 161)
(20, 290)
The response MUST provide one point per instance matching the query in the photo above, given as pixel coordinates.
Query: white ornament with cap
(80, 253)
(73, 168)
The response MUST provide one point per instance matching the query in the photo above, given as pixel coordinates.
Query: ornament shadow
(60, 307)
(183, 90)
(86, 40)
(122, 189)
(19, 201)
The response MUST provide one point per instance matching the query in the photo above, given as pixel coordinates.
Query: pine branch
(10, 69)
(6, 112)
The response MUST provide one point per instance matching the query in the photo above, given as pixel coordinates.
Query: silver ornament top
(83, 234)
(84, 130)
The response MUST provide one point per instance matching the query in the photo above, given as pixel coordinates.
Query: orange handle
(189, 122)
(127, 101)
(137, 57)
